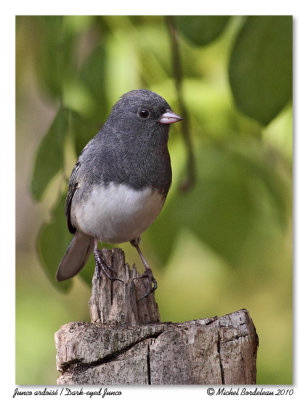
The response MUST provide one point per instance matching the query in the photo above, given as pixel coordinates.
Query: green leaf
(260, 69)
(201, 30)
(82, 131)
(55, 61)
(52, 241)
(92, 75)
(49, 155)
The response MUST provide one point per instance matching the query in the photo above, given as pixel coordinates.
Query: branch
(177, 69)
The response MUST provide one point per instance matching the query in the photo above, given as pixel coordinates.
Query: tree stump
(126, 343)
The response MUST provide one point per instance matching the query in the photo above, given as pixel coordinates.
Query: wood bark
(125, 342)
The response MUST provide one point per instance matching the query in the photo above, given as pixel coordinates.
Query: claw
(100, 262)
(148, 274)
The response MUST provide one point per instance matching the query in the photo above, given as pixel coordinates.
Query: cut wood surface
(125, 342)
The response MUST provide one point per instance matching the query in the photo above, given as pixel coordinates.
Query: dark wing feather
(72, 187)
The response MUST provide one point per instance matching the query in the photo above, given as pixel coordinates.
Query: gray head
(142, 111)
(131, 147)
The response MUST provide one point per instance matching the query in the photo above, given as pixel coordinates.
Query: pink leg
(148, 272)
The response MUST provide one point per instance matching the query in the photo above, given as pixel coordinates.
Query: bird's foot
(101, 263)
(148, 274)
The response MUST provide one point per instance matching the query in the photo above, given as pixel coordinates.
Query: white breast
(116, 213)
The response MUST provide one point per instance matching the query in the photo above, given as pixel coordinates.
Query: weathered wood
(117, 303)
(126, 344)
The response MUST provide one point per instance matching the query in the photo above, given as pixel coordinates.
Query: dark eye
(144, 113)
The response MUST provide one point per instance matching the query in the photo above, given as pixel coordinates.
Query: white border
(7, 164)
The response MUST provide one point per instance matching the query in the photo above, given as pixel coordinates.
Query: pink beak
(169, 117)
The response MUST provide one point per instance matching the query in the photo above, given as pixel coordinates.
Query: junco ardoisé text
(120, 181)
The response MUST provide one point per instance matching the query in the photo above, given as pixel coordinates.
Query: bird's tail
(75, 256)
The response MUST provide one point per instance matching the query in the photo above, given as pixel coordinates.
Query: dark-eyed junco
(120, 181)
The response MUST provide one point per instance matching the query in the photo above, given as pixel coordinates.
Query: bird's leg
(100, 262)
(148, 272)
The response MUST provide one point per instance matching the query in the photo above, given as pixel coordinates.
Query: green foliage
(55, 61)
(50, 154)
(52, 242)
(261, 66)
(227, 204)
(93, 76)
(81, 131)
(201, 30)
(225, 196)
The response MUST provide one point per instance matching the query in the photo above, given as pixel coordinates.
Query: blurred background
(223, 244)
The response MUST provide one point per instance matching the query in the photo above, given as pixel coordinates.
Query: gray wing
(79, 170)
(72, 187)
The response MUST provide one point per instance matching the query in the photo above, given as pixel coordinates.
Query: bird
(119, 183)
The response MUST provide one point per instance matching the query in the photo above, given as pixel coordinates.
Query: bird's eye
(144, 113)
